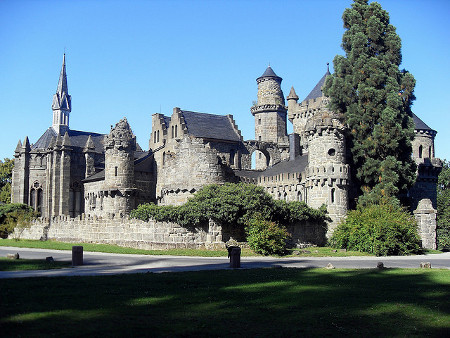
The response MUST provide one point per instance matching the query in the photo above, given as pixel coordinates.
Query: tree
(375, 98)
(6, 168)
(443, 207)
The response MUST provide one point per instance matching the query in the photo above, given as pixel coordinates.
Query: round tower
(270, 110)
(120, 146)
(327, 175)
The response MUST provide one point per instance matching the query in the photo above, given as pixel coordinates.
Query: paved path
(96, 263)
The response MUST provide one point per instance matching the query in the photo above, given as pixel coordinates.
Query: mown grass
(262, 302)
(54, 245)
(30, 264)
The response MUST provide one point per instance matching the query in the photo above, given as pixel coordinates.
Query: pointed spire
(269, 73)
(19, 146)
(328, 69)
(292, 94)
(26, 144)
(62, 84)
(66, 140)
(58, 140)
(89, 146)
(52, 143)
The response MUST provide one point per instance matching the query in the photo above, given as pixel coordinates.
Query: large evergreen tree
(375, 97)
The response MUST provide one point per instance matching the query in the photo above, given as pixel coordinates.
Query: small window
(115, 171)
(176, 131)
(259, 138)
(420, 151)
(332, 152)
(157, 138)
(259, 121)
(333, 193)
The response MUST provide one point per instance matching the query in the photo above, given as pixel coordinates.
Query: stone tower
(120, 146)
(21, 172)
(270, 113)
(423, 194)
(327, 175)
(62, 104)
(300, 113)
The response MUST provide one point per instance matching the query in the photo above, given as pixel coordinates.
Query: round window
(332, 152)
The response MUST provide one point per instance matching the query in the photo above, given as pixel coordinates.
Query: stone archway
(270, 151)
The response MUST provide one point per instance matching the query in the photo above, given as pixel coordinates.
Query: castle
(72, 173)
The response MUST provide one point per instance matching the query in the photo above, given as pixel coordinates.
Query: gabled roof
(77, 139)
(317, 90)
(419, 124)
(210, 126)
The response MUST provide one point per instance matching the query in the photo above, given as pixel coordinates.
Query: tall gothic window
(420, 151)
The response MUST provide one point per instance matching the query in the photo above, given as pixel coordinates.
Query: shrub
(231, 205)
(266, 237)
(14, 216)
(382, 229)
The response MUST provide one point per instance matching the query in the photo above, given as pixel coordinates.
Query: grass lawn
(309, 252)
(30, 264)
(247, 303)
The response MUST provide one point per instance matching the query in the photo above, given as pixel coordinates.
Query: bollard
(234, 252)
(77, 255)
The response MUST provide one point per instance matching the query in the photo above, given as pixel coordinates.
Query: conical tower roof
(317, 90)
(270, 74)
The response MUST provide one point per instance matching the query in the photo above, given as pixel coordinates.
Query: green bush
(382, 229)
(14, 215)
(231, 205)
(266, 237)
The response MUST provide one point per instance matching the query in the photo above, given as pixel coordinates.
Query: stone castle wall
(152, 235)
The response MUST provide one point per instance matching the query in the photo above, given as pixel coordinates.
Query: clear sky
(137, 58)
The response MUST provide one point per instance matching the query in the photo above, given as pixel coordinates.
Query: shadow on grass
(262, 302)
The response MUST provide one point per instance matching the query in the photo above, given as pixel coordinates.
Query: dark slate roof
(96, 177)
(419, 124)
(269, 73)
(317, 90)
(210, 126)
(167, 120)
(77, 139)
(298, 165)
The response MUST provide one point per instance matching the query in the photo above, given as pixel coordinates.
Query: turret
(270, 109)
(327, 175)
(120, 146)
(62, 104)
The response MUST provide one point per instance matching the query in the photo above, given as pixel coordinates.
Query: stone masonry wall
(132, 233)
(152, 235)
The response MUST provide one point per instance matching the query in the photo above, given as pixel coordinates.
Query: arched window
(33, 198)
(154, 138)
(420, 151)
(40, 198)
(429, 152)
(299, 196)
(176, 131)
(333, 197)
(157, 138)
(172, 132)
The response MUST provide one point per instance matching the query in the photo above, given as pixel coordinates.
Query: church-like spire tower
(62, 104)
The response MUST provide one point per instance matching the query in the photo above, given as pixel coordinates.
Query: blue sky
(137, 58)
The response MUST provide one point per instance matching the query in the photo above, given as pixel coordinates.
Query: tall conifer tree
(375, 97)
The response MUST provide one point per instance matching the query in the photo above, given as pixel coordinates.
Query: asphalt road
(96, 263)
